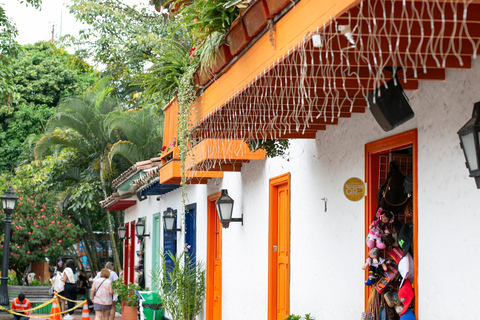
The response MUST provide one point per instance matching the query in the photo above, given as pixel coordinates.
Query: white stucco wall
(327, 248)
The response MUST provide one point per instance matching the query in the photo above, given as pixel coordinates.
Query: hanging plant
(273, 147)
(185, 97)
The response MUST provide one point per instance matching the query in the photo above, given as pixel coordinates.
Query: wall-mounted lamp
(224, 206)
(122, 231)
(140, 229)
(141, 196)
(169, 217)
(470, 142)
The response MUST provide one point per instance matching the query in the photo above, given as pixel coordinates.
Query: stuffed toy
(382, 223)
(376, 266)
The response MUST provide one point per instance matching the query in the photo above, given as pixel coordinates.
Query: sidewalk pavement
(77, 316)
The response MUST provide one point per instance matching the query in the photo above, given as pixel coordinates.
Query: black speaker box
(390, 107)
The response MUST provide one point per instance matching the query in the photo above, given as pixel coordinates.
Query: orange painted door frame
(372, 152)
(279, 248)
(214, 261)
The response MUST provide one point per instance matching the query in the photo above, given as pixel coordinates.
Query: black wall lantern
(470, 142)
(224, 206)
(169, 217)
(140, 229)
(122, 231)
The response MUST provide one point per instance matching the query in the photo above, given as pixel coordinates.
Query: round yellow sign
(354, 189)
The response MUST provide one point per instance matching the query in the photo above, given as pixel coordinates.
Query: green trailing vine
(186, 96)
(273, 147)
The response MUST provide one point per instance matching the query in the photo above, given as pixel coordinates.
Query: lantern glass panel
(168, 223)
(468, 142)
(122, 232)
(140, 228)
(225, 211)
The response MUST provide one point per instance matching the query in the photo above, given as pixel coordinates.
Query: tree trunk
(93, 258)
(116, 261)
(118, 223)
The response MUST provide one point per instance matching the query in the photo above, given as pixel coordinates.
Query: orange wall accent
(214, 261)
(170, 173)
(170, 123)
(279, 238)
(224, 150)
(305, 17)
(372, 149)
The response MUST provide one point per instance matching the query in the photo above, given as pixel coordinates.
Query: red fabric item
(406, 293)
(396, 254)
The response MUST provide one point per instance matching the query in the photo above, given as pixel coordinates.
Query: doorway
(401, 148)
(279, 248)
(214, 261)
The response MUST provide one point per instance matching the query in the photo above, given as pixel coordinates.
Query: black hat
(405, 238)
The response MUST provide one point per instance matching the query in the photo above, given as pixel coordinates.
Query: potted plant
(181, 284)
(126, 294)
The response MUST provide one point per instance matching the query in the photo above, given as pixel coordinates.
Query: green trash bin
(149, 305)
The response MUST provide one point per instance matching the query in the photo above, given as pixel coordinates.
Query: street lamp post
(8, 202)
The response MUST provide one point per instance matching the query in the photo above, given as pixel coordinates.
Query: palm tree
(142, 134)
(80, 124)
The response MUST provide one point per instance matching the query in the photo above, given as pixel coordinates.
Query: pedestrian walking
(70, 286)
(56, 280)
(101, 295)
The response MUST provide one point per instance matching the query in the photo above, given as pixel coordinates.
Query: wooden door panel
(214, 262)
(279, 242)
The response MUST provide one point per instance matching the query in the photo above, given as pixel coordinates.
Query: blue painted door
(191, 229)
(170, 245)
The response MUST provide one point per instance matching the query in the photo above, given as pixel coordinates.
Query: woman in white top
(70, 286)
(101, 295)
(56, 280)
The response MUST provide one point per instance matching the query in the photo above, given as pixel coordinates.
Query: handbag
(391, 194)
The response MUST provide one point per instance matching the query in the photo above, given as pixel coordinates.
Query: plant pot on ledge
(237, 37)
(223, 56)
(129, 313)
(276, 6)
(200, 79)
(256, 17)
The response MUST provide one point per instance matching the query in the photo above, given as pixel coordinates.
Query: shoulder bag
(96, 289)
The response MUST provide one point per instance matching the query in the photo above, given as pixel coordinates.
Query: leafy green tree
(39, 231)
(79, 125)
(47, 73)
(76, 189)
(118, 37)
(142, 135)
(9, 51)
(44, 75)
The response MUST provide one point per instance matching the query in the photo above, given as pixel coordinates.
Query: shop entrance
(279, 248)
(379, 155)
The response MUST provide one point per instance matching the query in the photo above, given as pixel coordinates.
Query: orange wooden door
(214, 262)
(279, 248)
